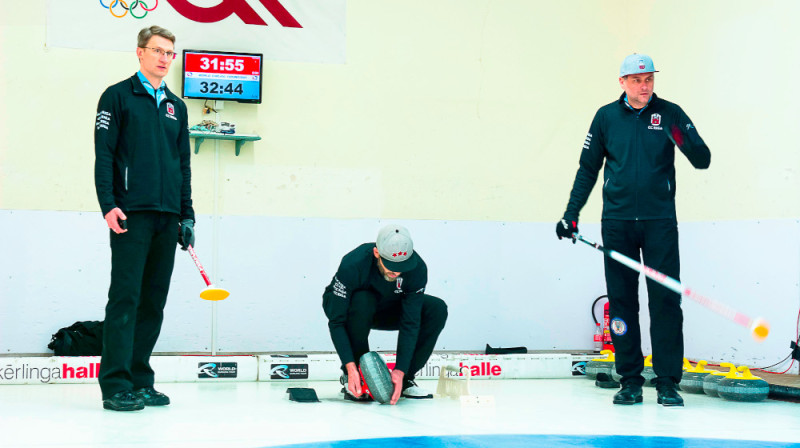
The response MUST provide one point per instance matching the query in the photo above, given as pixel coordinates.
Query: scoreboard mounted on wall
(222, 75)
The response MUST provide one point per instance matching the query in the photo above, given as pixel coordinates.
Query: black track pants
(367, 311)
(141, 267)
(657, 241)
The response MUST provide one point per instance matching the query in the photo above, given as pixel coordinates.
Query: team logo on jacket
(399, 285)
(171, 111)
(655, 122)
(655, 119)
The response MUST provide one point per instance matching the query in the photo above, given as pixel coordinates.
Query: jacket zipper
(126, 178)
(636, 152)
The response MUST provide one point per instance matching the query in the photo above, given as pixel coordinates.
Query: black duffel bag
(79, 339)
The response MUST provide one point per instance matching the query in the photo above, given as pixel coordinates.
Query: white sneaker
(412, 390)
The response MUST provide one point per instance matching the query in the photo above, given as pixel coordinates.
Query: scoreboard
(216, 75)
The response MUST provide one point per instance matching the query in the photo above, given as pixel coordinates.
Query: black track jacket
(142, 151)
(359, 270)
(639, 174)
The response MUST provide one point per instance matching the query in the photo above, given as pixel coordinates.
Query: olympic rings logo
(129, 9)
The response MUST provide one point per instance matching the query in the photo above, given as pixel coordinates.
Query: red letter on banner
(238, 7)
(279, 12)
(217, 13)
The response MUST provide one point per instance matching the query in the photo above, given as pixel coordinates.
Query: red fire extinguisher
(606, 330)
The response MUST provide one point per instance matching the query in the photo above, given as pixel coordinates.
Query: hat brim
(638, 73)
(401, 266)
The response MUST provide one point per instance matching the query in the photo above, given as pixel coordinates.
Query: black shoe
(605, 381)
(123, 401)
(151, 397)
(668, 394)
(630, 394)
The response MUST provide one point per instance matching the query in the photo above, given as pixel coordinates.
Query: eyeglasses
(160, 52)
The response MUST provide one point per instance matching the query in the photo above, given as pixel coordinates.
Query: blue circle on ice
(544, 440)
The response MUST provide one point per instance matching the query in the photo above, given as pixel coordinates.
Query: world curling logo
(288, 372)
(217, 370)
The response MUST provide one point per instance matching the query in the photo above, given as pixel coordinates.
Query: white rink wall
(463, 120)
(506, 284)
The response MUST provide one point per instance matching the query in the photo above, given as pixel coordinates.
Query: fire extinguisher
(606, 329)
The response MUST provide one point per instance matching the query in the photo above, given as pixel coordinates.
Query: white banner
(168, 369)
(321, 367)
(283, 30)
(303, 367)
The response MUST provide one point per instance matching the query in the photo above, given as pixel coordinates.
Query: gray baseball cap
(396, 248)
(635, 64)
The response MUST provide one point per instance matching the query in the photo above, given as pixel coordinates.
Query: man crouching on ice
(381, 285)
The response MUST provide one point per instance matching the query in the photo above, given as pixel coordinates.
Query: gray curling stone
(692, 381)
(743, 387)
(648, 373)
(600, 365)
(604, 381)
(711, 381)
(614, 375)
(377, 377)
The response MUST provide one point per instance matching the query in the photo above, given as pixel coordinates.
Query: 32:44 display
(213, 87)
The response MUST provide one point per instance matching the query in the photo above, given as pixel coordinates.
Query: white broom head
(455, 385)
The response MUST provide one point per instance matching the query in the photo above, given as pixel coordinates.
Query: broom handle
(671, 283)
(197, 263)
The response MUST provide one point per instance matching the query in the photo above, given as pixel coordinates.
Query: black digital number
(220, 89)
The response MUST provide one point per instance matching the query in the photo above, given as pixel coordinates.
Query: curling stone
(648, 373)
(598, 365)
(377, 378)
(605, 381)
(743, 386)
(711, 381)
(614, 375)
(692, 380)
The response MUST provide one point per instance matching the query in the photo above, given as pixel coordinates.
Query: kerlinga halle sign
(286, 30)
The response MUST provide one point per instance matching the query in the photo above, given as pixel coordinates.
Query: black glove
(186, 234)
(565, 229)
